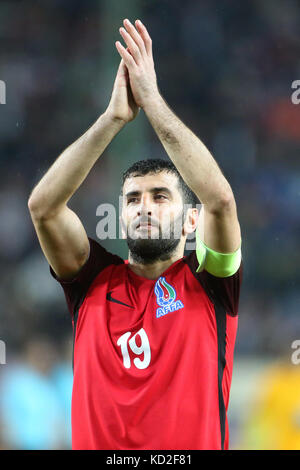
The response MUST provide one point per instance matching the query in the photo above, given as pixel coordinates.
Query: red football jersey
(152, 358)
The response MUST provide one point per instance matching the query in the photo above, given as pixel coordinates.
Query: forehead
(147, 182)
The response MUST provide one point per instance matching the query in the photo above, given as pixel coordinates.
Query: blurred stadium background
(226, 68)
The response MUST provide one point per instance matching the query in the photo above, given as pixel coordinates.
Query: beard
(149, 250)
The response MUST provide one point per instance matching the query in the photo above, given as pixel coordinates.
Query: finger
(122, 70)
(128, 50)
(126, 56)
(145, 35)
(135, 35)
(121, 65)
(124, 65)
(134, 48)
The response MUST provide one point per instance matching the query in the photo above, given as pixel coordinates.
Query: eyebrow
(152, 190)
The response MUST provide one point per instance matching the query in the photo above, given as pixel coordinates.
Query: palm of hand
(122, 104)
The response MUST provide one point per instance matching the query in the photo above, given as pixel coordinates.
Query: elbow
(37, 208)
(228, 200)
(40, 211)
(32, 205)
(223, 204)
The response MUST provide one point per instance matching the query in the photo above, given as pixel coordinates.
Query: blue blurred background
(226, 69)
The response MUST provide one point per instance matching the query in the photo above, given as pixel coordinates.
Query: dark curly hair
(156, 165)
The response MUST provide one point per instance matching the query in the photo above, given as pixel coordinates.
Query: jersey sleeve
(224, 290)
(76, 289)
(220, 274)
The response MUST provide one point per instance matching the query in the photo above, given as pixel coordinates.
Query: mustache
(173, 229)
(144, 221)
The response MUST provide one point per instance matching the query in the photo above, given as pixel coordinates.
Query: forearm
(190, 156)
(71, 168)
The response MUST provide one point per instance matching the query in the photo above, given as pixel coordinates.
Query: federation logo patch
(166, 298)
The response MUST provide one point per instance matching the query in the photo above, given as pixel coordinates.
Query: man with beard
(153, 335)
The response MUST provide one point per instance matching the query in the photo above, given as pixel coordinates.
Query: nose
(145, 206)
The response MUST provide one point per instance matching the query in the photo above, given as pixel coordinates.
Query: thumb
(122, 70)
(120, 78)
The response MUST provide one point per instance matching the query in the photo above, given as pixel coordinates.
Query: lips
(145, 225)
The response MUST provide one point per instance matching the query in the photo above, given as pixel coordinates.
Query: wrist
(153, 102)
(104, 128)
(109, 118)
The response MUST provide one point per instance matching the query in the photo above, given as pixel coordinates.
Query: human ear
(191, 220)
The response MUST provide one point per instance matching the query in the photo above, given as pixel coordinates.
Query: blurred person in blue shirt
(62, 378)
(30, 406)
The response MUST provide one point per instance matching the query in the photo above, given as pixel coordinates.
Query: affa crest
(166, 298)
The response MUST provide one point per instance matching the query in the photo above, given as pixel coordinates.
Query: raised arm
(220, 229)
(190, 156)
(60, 232)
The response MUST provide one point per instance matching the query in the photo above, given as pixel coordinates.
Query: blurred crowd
(226, 69)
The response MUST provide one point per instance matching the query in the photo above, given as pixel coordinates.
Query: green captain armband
(215, 263)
